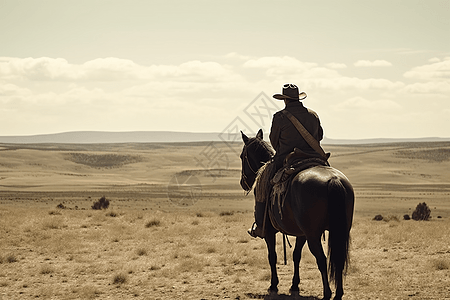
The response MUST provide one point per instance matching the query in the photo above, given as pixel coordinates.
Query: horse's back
(313, 190)
(307, 201)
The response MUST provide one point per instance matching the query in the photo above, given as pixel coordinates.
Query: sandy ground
(176, 225)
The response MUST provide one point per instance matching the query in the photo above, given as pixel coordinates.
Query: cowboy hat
(290, 91)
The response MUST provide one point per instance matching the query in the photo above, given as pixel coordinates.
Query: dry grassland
(152, 243)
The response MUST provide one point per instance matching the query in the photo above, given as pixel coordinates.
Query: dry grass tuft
(141, 251)
(120, 279)
(391, 218)
(47, 269)
(153, 223)
(10, 258)
(226, 213)
(112, 214)
(53, 223)
(440, 264)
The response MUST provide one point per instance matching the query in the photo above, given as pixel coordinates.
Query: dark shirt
(284, 137)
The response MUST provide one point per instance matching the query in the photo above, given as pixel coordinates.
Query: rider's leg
(257, 229)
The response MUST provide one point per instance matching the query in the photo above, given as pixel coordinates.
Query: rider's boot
(257, 229)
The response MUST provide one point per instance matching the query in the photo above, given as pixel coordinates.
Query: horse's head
(254, 154)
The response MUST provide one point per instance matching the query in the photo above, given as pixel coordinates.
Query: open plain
(176, 224)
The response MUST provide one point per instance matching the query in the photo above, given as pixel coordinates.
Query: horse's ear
(260, 134)
(244, 137)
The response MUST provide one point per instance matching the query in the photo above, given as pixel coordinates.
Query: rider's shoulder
(312, 112)
(278, 114)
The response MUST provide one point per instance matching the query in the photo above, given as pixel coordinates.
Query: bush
(61, 206)
(406, 217)
(378, 218)
(422, 212)
(102, 203)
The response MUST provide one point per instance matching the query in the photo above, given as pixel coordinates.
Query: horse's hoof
(272, 291)
(294, 291)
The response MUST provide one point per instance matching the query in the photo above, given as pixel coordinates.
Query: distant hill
(94, 137)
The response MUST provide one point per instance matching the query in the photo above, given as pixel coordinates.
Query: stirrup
(252, 231)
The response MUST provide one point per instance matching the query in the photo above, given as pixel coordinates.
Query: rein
(247, 161)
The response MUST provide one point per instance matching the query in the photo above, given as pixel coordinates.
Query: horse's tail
(339, 235)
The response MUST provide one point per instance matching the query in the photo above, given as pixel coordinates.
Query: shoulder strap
(305, 134)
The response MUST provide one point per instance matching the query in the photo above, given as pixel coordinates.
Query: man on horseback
(285, 137)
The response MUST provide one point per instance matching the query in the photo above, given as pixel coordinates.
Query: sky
(371, 69)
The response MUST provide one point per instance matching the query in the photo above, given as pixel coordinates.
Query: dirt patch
(435, 155)
(109, 160)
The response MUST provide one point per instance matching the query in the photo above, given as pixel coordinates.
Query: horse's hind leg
(297, 255)
(271, 243)
(339, 286)
(316, 249)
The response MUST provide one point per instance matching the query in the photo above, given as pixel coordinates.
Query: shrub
(61, 206)
(406, 217)
(378, 218)
(102, 203)
(422, 212)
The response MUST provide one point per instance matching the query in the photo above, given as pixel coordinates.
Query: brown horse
(319, 198)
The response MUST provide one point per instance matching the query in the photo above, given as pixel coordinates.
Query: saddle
(294, 163)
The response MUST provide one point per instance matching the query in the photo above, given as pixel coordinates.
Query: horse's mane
(267, 170)
(262, 148)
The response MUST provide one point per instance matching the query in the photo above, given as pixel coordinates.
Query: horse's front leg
(297, 255)
(271, 242)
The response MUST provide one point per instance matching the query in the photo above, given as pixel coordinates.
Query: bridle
(246, 161)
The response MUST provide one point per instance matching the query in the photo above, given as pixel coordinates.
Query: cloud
(350, 83)
(311, 76)
(375, 63)
(277, 65)
(237, 55)
(435, 71)
(112, 93)
(43, 68)
(336, 66)
(431, 87)
(108, 69)
(434, 59)
(360, 103)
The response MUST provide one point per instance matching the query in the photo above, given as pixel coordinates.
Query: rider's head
(290, 93)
